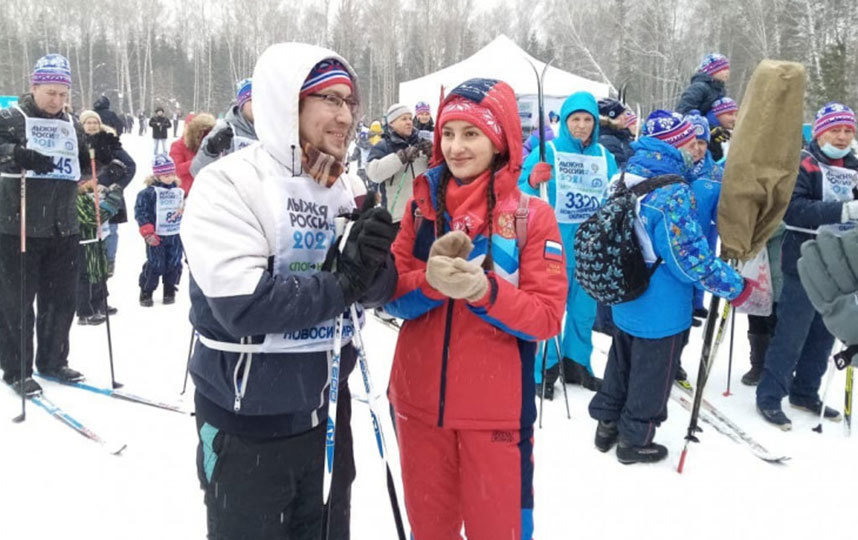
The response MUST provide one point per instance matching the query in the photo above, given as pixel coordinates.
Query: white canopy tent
(504, 60)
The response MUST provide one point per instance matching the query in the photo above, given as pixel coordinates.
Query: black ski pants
(51, 271)
(637, 383)
(271, 489)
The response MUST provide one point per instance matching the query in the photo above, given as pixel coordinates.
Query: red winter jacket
(182, 156)
(470, 365)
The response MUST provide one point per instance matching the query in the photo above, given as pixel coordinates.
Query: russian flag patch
(553, 251)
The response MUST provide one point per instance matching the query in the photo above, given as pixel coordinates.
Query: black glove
(220, 141)
(32, 160)
(366, 249)
(408, 154)
(425, 147)
(720, 135)
(116, 169)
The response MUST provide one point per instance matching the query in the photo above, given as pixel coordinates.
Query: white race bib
(168, 210)
(837, 186)
(57, 139)
(580, 184)
(305, 212)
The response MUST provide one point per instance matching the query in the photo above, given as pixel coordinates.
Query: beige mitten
(453, 244)
(456, 278)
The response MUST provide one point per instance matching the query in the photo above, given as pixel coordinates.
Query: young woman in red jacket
(481, 280)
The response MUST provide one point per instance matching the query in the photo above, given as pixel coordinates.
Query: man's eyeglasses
(335, 101)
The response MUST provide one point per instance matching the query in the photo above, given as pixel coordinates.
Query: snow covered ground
(57, 484)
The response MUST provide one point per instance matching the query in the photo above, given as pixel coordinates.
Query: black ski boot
(551, 375)
(577, 374)
(31, 387)
(92, 320)
(146, 299)
(775, 417)
(651, 453)
(759, 346)
(606, 435)
(814, 406)
(65, 374)
(169, 296)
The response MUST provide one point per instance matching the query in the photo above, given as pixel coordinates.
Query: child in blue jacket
(158, 212)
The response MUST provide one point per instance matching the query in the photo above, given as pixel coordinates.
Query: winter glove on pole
(453, 244)
(456, 278)
(220, 141)
(147, 231)
(365, 250)
(746, 293)
(540, 173)
(425, 147)
(828, 269)
(116, 169)
(32, 160)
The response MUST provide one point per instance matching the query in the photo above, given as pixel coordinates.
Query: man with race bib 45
(38, 139)
(577, 170)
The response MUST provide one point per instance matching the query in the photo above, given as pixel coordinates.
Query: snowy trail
(57, 484)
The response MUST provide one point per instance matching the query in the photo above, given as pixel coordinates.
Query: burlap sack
(763, 159)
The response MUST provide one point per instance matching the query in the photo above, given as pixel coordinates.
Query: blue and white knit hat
(833, 114)
(243, 91)
(713, 63)
(51, 69)
(701, 125)
(162, 165)
(669, 127)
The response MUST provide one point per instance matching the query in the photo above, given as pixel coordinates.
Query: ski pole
(401, 183)
(562, 374)
(730, 358)
(188, 363)
(22, 294)
(847, 406)
(828, 379)
(100, 239)
(376, 420)
(544, 373)
(333, 395)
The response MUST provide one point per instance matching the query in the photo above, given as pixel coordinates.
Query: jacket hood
(240, 125)
(101, 103)
(499, 98)
(277, 78)
(579, 101)
(654, 157)
(196, 128)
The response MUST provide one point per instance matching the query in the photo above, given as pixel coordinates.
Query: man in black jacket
(39, 139)
(159, 124)
(108, 117)
(706, 86)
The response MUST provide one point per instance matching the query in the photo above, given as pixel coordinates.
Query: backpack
(609, 263)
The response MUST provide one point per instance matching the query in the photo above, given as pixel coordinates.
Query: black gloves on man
(365, 251)
(32, 160)
(220, 141)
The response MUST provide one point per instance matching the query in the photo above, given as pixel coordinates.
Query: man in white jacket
(256, 234)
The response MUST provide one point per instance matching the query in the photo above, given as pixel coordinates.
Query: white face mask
(833, 152)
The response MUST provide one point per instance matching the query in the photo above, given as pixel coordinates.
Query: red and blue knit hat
(669, 127)
(713, 63)
(51, 69)
(162, 165)
(463, 108)
(723, 106)
(244, 91)
(326, 73)
(832, 115)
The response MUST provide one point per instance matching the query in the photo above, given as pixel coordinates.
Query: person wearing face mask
(476, 295)
(577, 170)
(256, 234)
(824, 199)
(651, 330)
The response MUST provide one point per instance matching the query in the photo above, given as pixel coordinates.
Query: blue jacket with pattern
(667, 227)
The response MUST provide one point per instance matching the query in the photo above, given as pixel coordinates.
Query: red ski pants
(481, 477)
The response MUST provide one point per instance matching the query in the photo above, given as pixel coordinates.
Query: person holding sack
(473, 255)
(652, 329)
